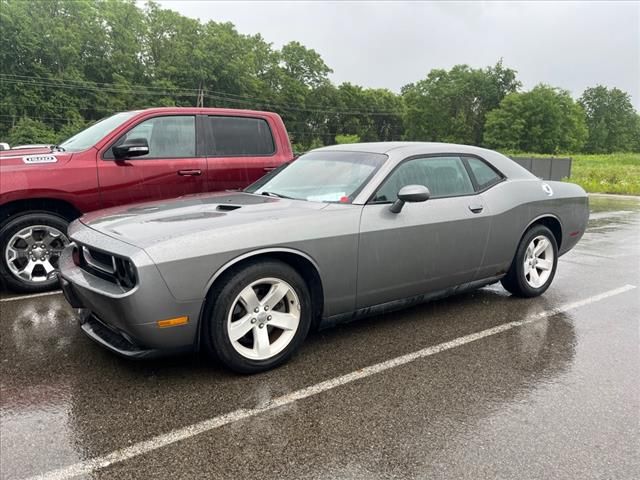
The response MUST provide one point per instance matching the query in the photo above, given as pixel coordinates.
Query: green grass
(607, 173)
(603, 173)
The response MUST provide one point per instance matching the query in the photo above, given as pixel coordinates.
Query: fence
(546, 168)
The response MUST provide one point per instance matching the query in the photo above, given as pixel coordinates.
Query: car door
(171, 168)
(428, 246)
(239, 150)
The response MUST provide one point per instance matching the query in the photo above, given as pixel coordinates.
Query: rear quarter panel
(516, 204)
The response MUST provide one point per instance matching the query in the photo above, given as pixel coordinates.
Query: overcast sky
(572, 45)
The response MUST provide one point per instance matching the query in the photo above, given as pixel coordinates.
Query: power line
(192, 91)
(112, 88)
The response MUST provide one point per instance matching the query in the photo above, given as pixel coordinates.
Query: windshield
(323, 176)
(90, 136)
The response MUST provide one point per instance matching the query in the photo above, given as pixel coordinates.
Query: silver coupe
(342, 232)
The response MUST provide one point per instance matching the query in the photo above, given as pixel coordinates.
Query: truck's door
(171, 168)
(239, 150)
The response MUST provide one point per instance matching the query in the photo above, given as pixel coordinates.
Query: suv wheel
(30, 247)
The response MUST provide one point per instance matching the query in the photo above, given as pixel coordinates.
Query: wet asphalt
(558, 397)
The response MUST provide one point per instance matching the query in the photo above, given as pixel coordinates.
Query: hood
(147, 224)
(25, 151)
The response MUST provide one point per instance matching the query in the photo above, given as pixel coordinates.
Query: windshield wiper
(57, 148)
(274, 194)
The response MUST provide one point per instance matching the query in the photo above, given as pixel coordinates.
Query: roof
(397, 152)
(208, 110)
(405, 147)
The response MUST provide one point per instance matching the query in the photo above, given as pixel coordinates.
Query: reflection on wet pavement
(556, 398)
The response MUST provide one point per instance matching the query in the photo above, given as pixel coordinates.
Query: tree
(544, 120)
(31, 131)
(343, 139)
(611, 120)
(451, 106)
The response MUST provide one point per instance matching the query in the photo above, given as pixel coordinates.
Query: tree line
(66, 63)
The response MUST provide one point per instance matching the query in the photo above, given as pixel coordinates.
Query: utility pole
(200, 101)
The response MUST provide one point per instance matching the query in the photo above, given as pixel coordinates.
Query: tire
(521, 280)
(234, 331)
(14, 252)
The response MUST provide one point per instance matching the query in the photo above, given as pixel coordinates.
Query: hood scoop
(227, 208)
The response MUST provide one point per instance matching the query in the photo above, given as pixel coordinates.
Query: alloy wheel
(538, 261)
(32, 253)
(263, 318)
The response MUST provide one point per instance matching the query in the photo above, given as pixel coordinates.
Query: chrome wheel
(32, 253)
(538, 261)
(263, 318)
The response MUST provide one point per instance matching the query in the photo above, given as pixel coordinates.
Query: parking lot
(481, 385)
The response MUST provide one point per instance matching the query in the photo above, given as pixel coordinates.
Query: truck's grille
(113, 268)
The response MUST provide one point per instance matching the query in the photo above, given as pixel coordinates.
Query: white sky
(572, 45)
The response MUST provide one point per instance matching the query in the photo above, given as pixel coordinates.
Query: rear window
(238, 137)
(485, 175)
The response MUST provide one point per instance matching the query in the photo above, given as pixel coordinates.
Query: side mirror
(134, 147)
(410, 193)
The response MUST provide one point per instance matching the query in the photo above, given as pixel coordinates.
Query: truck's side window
(238, 137)
(168, 137)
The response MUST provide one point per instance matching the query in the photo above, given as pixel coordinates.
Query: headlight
(125, 272)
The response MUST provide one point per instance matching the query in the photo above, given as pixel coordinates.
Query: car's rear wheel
(30, 247)
(257, 316)
(534, 264)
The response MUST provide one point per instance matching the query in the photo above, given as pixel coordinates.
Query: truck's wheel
(256, 317)
(30, 247)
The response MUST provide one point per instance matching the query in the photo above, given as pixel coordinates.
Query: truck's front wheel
(30, 247)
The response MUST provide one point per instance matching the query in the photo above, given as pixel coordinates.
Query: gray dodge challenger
(342, 232)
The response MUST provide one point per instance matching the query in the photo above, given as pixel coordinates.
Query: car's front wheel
(257, 316)
(30, 246)
(534, 264)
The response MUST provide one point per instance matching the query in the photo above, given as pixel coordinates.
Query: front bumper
(125, 322)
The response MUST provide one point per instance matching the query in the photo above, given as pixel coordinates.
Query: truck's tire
(30, 246)
(249, 330)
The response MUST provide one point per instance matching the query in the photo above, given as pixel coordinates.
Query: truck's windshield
(90, 136)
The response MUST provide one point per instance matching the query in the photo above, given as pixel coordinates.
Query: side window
(168, 137)
(238, 136)
(484, 174)
(443, 176)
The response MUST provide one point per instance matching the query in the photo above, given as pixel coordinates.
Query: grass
(603, 173)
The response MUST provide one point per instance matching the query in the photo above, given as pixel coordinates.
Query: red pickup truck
(129, 157)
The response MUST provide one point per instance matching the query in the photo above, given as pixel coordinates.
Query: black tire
(515, 281)
(220, 300)
(8, 230)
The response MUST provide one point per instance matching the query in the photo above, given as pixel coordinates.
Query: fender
(254, 253)
(539, 217)
(544, 215)
(240, 258)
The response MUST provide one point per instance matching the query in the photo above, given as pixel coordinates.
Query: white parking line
(33, 295)
(88, 466)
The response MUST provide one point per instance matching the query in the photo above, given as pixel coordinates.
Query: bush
(28, 131)
(342, 139)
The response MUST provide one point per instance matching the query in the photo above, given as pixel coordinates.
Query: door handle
(476, 208)
(269, 169)
(190, 173)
